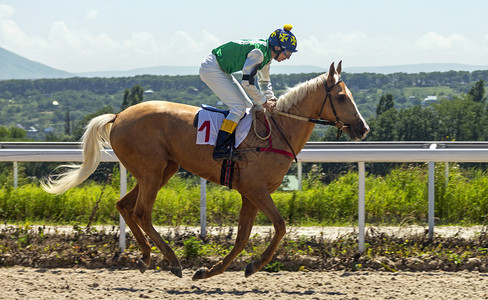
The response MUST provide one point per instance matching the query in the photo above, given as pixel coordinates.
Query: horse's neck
(297, 132)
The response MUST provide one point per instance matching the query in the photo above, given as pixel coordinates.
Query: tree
(477, 92)
(126, 101)
(79, 129)
(17, 133)
(417, 124)
(67, 127)
(460, 119)
(132, 97)
(386, 103)
(12, 134)
(384, 126)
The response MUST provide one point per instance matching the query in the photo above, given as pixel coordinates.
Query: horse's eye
(342, 98)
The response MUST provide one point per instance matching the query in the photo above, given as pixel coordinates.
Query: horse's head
(339, 106)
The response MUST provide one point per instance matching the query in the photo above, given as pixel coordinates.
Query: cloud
(82, 50)
(6, 11)
(92, 14)
(433, 40)
(356, 49)
(454, 48)
(12, 37)
(142, 42)
(63, 37)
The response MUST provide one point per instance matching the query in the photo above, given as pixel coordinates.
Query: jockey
(252, 57)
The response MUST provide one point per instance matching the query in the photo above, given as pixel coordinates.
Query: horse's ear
(339, 68)
(331, 71)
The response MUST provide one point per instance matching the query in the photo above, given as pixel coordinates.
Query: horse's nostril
(364, 130)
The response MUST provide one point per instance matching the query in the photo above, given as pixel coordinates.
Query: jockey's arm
(249, 71)
(265, 82)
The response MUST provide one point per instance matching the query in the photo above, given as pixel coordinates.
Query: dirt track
(30, 283)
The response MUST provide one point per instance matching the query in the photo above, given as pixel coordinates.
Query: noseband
(338, 123)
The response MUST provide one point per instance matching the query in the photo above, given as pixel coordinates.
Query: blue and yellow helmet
(284, 39)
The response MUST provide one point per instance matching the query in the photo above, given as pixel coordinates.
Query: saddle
(207, 129)
(225, 112)
(208, 120)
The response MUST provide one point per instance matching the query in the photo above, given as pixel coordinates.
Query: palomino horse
(153, 139)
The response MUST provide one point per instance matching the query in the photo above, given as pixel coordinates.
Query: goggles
(287, 53)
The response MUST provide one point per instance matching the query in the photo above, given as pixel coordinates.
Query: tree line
(57, 108)
(463, 118)
(66, 105)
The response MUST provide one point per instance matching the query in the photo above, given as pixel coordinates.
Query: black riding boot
(223, 147)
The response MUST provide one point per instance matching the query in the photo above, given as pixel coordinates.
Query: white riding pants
(226, 87)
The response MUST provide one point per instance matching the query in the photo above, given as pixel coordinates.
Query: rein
(338, 123)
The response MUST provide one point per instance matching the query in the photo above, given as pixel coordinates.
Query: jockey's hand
(270, 104)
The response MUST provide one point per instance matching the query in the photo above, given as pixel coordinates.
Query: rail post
(361, 205)
(300, 176)
(431, 199)
(123, 191)
(16, 174)
(203, 207)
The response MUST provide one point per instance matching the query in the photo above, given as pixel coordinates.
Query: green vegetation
(63, 103)
(392, 105)
(396, 198)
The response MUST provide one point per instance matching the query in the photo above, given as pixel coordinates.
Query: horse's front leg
(247, 216)
(264, 202)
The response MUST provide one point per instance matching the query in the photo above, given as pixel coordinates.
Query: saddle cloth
(209, 123)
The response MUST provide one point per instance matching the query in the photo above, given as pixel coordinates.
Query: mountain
(192, 70)
(161, 70)
(13, 66)
(415, 68)
(287, 69)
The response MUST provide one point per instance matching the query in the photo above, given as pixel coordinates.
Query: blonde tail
(95, 138)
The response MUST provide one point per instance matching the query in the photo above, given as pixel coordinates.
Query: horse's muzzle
(358, 132)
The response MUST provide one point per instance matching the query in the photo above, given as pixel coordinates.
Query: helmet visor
(287, 53)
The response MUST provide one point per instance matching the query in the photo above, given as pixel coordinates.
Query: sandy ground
(326, 232)
(30, 283)
(68, 283)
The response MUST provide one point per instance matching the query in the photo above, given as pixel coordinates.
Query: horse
(154, 139)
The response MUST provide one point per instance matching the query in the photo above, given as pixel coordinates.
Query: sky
(109, 35)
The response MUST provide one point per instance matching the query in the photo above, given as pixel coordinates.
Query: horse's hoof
(141, 266)
(177, 271)
(250, 270)
(200, 274)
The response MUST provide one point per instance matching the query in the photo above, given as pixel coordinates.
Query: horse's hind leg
(126, 207)
(148, 189)
(247, 216)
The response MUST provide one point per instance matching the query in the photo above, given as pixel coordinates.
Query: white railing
(352, 152)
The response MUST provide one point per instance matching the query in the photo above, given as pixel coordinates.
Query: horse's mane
(297, 93)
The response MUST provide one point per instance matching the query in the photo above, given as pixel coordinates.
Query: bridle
(337, 123)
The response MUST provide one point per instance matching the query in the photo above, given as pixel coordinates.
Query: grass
(398, 197)
(395, 199)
